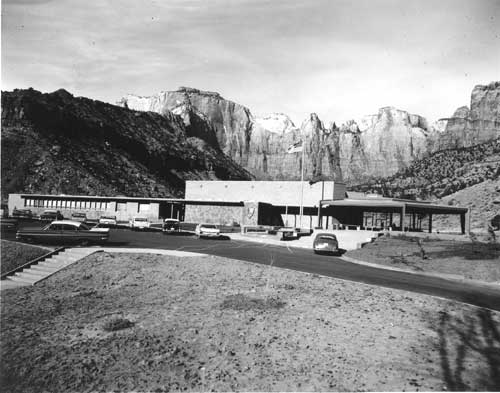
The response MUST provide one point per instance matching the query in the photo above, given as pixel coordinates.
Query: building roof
(390, 203)
(130, 199)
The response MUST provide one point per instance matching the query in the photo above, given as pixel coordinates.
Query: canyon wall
(376, 145)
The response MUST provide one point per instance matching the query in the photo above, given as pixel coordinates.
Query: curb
(451, 277)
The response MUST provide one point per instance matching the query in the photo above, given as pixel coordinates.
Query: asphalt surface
(306, 261)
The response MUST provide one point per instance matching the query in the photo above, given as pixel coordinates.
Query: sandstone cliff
(56, 143)
(232, 122)
(376, 145)
(474, 125)
(381, 144)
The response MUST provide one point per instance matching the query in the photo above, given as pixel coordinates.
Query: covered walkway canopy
(410, 213)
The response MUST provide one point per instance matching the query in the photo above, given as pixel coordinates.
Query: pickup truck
(64, 231)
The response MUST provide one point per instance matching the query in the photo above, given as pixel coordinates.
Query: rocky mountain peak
(190, 90)
(277, 123)
(312, 125)
(474, 125)
(461, 113)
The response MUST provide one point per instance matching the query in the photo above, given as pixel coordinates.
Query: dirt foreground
(129, 322)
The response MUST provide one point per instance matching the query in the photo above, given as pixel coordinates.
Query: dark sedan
(64, 231)
(51, 215)
(326, 243)
(171, 225)
(22, 213)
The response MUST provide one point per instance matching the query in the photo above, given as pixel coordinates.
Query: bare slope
(56, 143)
(480, 199)
(442, 173)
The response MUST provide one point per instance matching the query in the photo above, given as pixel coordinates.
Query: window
(143, 208)
(66, 227)
(121, 206)
(55, 227)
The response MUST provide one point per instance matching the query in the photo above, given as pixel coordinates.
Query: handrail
(32, 262)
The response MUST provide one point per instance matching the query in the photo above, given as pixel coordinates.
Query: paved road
(306, 261)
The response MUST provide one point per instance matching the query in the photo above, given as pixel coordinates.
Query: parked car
(207, 230)
(51, 215)
(82, 217)
(139, 223)
(288, 233)
(22, 213)
(64, 231)
(109, 221)
(171, 225)
(325, 243)
(8, 224)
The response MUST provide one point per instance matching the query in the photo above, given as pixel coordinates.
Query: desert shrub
(423, 254)
(242, 302)
(117, 323)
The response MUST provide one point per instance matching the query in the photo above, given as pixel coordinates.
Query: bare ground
(480, 198)
(128, 322)
(471, 260)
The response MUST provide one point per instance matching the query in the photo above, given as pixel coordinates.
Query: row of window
(65, 204)
(81, 204)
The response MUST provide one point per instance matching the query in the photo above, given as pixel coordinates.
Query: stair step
(43, 268)
(79, 254)
(54, 264)
(62, 261)
(22, 280)
(32, 275)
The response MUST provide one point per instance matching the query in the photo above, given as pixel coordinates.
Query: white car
(139, 223)
(207, 230)
(107, 221)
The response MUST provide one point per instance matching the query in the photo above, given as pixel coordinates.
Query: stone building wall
(226, 215)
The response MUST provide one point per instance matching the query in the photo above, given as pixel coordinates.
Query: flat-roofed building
(276, 203)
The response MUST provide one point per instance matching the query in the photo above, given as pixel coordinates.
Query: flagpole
(302, 182)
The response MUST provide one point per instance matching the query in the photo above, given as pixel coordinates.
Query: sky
(340, 59)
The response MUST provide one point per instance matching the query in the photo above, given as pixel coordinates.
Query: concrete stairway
(46, 268)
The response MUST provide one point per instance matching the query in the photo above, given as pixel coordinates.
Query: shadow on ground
(180, 233)
(469, 350)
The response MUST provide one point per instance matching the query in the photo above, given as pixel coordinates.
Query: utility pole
(302, 182)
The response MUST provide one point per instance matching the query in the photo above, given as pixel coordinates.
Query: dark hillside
(441, 173)
(56, 143)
